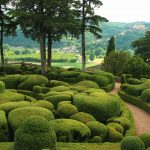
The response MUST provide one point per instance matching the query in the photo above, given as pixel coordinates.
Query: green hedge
(83, 117)
(17, 116)
(145, 137)
(145, 96)
(68, 130)
(134, 81)
(4, 135)
(35, 134)
(135, 101)
(54, 83)
(102, 108)
(2, 87)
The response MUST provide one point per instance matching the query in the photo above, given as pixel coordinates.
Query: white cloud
(125, 10)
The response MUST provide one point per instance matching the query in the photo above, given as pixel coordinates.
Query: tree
(92, 56)
(89, 22)
(7, 24)
(111, 45)
(142, 46)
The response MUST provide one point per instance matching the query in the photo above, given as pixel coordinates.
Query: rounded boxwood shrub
(60, 88)
(117, 126)
(70, 130)
(83, 117)
(102, 108)
(146, 95)
(96, 139)
(132, 143)
(54, 83)
(64, 102)
(83, 76)
(37, 89)
(97, 129)
(51, 75)
(134, 81)
(146, 139)
(35, 134)
(2, 87)
(17, 116)
(66, 110)
(88, 84)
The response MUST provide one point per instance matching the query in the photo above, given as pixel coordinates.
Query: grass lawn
(71, 146)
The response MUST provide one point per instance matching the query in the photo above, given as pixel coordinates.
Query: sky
(125, 10)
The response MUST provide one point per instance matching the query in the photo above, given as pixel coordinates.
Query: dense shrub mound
(132, 143)
(16, 116)
(83, 117)
(146, 139)
(4, 135)
(68, 130)
(137, 94)
(102, 108)
(2, 87)
(35, 134)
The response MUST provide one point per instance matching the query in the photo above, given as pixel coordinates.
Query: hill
(124, 33)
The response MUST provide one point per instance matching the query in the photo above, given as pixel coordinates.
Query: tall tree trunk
(49, 53)
(43, 53)
(83, 37)
(1, 37)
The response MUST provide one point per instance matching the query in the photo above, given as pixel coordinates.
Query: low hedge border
(135, 101)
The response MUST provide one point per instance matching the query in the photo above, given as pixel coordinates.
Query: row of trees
(49, 20)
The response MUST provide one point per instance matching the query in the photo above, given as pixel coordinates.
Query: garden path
(142, 118)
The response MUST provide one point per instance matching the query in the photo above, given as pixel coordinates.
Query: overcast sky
(125, 10)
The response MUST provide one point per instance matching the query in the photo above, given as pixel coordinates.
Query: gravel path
(142, 118)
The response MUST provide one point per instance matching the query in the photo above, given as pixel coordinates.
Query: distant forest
(124, 34)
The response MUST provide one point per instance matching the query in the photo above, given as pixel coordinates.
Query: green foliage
(54, 83)
(88, 84)
(74, 131)
(111, 45)
(132, 143)
(92, 56)
(116, 126)
(2, 87)
(31, 81)
(66, 110)
(96, 139)
(18, 115)
(97, 129)
(134, 81)
(145, 95)
(124, 77)
(145, 137)
(102, 107)
(115, 62)
(142, 46)
(60, 88)
(55, 99)
(35, 133)
(83, 117)
(138, 68)
(4, 135)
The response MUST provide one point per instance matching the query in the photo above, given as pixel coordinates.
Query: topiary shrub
(55, 99)
(37, 89)
(146, 139)
(92, 90)
(83, 117)
(102, 107)
(54, 83)
(117, 127)
(88, 84)
(145, 96)
(96, 139)
(97, 129)
(134, 81)
(66, 110)
(51, 75)
(73, 130)
(35, 134)
(4, 135)
(78, 88)
(31, 81)
(124, 77)
(17, 116)
(2, 87)
(124, 86)
(132, 143)
(60, 88)
(83, 76)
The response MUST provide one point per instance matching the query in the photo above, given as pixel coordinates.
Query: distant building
(139, 27)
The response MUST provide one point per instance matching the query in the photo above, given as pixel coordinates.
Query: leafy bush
(134, 81)
(97, 129)
(83, 76)
(35, 133)
(51, 75)
(66, 110)
(60, 88)
(55, 99)
(116, 126)
(132, 143)
(96, 139)
(54, 83)
(145, 96)
(31, 81)
(72, 130)
(16, 116)
(4, 135)
(2, 87)
(88, 84)
(124, 77)
(83, 117)
(102, 108)
(146, 139)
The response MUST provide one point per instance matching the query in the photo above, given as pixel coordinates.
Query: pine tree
(111, 45)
